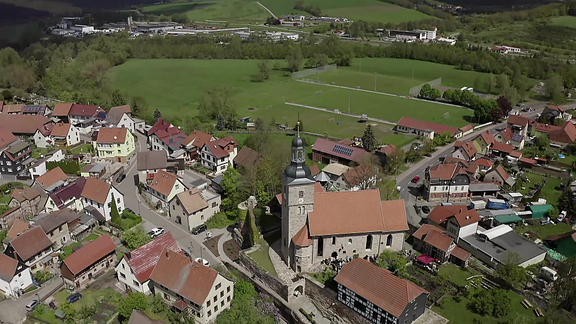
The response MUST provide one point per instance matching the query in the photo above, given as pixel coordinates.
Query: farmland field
(175, 87)
(564, 21)
(224, 10)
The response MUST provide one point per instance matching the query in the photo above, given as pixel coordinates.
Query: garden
(69, 249)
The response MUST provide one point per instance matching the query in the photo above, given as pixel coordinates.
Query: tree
(564, 288)
(157, 114)
(86, 311)
(114, 214)
(263, 72)
(502, 304)
(491, 84)
(504, 108)
(294, 59)
(567, 201)
(482, 303)
(363, 174)
(69, 311)
(243, 309)
(392, 261)
(503, 82)
(554, 86)
(117, 99)
(368, 139)
(134, 300)
(394, 161)
(135, 237)
(388, 191)
(515, 275)
(543, 141)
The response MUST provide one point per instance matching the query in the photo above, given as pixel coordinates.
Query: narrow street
(14, 310)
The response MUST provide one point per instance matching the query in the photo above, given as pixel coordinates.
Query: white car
(203, 261)
(155, 232)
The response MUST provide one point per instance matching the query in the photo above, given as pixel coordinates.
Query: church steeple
(298, 168)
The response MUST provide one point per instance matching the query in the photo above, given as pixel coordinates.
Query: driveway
(191, 243)
(14, 310)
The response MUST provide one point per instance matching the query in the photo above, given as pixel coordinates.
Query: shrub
(308, 316)
(219, 220)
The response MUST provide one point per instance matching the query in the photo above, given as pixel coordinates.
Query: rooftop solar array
(343, 150)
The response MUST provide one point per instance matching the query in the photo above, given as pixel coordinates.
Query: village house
(24, 125)
(136, 266)
(385, 152)
(10, 216)
(13, 109)
(484, 190)
(149, 163)
(425, 128)
(39, 167)
(519, 124)
(191, 287)
(57, 226)
(564, 136)
(501, 149)
(165, 136)
(367, 289)
(119, 118)
(17, 228)
(82, 267)
(65, 197)
(164, 187)
(335, 174)
(94, 170)
(16, 158)
(115, 144)
(316, 224)
(99, 195)
(500, 176)
(15, 277)
(218, 155)
(61, 111)
(32, 248)
(552, 112)
(194, 143)
(193, 207)
(483, 142)
(434, 243)
(446, 183)
(246, 158)
(79, 113)
(52, 180)
(41, 110)
(457, 220)
(326, 151)
(65, 135)
(29, 200)
(464, 150)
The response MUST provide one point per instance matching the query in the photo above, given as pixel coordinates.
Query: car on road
(199, 229)
(121, 178)
(426, 209)
(31, 305)
(74, 298)
(203, 261)
(416, 179)
(156, 231)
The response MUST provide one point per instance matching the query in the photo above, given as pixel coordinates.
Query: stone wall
(327, 302)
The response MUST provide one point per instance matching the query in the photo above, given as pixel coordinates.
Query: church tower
(297, 197)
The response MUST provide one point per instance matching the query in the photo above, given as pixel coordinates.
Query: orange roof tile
(425, 229)
(375, 284)
(460, 253)
(518, 120)
(61, 130)
(314, 169)
(96, 190)
(17, 228)
(90, 254)
(439, 240)
(112, 135)
(302, 238)
(163, 182)
(61, 109)
(8, 267)
(445, 171)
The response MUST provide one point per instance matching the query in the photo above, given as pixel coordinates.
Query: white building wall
(126, 122)
(40, 140)
(73, 137)
(176, 189)
(224, 295)
(38, 170)
(126, 276)
(534, 260)
(21, 281)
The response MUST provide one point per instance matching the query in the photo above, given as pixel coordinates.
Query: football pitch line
(340, 113)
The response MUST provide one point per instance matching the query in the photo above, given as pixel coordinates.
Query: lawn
(262, 257)
(367, 10)
(69, 249)
(543, 231)
(53, 7)
(456, 274)
(38, 152)
(190, 78)
(84, 148)
(564, 21)
(458, 312)
(89, 297)
(551, 191)
(225, 10)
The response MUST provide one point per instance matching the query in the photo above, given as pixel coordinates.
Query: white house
(164, 187)
(99, 195)
(462, 223)
(39, 168)
(218, 155)
(135, 268)
(119, 118)
(15, 277)
(32, 248)
(65, 134)
(194, 207)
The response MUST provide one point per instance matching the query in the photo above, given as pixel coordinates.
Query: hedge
(69, 167)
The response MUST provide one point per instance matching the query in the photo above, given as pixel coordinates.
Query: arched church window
(389, 240)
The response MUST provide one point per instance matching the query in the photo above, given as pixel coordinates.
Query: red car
(416, 179)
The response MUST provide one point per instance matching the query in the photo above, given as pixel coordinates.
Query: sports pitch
(175, 86)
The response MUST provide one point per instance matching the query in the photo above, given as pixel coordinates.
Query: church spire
(298, 168)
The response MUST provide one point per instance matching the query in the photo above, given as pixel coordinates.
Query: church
(318, 225)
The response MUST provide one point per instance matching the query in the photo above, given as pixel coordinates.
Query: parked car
(203, 261)
(416, 179)
(74, 298)
(155, 232)
(199, 229)
(121, 178)
(31, 305)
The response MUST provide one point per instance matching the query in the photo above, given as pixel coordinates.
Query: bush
(308, 316)
(43, 276)
(219, 220)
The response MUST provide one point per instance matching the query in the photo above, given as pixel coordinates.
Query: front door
(90, 276)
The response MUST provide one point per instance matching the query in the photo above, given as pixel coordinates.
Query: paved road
(192, 243)
(14, 310)
(409, 190)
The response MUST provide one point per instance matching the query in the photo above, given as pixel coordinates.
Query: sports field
(564, 21)
(175, 87)
(367, 10)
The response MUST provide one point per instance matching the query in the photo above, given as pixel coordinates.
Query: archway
(299, 291)
(389, 240)
(334, 255)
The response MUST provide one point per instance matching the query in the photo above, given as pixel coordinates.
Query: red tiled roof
(484, 162)
(8, 267)
(30, 243)
(183, 276)
(6, 137)
(440, 214)
(467, 217)
(164, 182)
(426, 125)
(518, 120)
(468, 147)
(559, 108)
(501, 147)
(445, 171)
(466, 128)
(46, 129)
(90, 254)
(96, 190)
(161, 124)
(302, 238)
(61, 109)
(51, 177)
(318, 187)
(332, 210)
(388, 149)
(439, 240)
(502, 172)
(516, 154)
(460, 253)
(425, 229)
(125, 109)
(488, 137)
(143, 259)
(17, 228)
(326, 146)
(61, 130)
(23, 124)
(507, 134)
(544, 128)
(566, 134)
(84, 110)
(112, 135)
(379, 286)
(346, 141)
(314, 169)
(197, 138)
(527, 160)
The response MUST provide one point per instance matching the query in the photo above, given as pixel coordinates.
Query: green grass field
(564, 21)
(367, 10)
(246, 11)
(54, 7)
(175, 86)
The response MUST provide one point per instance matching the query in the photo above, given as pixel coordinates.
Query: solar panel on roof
(516, 137)
(343, 150)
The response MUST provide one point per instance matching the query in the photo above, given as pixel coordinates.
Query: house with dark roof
(79, 113)
(15, 277)
(119, 118)
(41, 110)
(115, 144)
(425, 128)
(149, 163)
(194, 143)
(99, 195)
(191, 287)
(68, 196)
(552, 112)
(57, 226)
(82, 267)
(246, 158)
(218, 155)
(16, 158)
(194, 207)
(136, 266)
(434, 242)
(378, 295)
(326, 151)
(518, 124)
(499, 175)
(32, 248)
(164, 187)
(446, 183)
(165, 136)
(564, 136)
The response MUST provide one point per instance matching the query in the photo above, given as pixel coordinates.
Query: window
(222, 304)
(349, 241)
(333, 240)
(208, 303)
(222, 294)
(228, 289)
(173, 207)
(166, 296)
(8, 163)
(201, 217)
(122, 275)
(389, 240)
(320, 246)
(216, 298)
(123, 267)
(218, 286)
(369, 242)
(177, 186)
(228, 299)
(209, 313)
(136, 283)
(222, 167)
(215, 308)
(213, 204)
(301, 194)
(118, 200)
